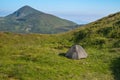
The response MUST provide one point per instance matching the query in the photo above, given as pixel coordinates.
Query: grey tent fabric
(76, 52)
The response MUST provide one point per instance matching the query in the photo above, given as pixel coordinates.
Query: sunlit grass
(37, 57)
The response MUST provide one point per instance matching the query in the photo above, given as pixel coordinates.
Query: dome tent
(76, 52)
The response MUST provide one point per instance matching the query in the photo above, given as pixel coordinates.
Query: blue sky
(79, 11)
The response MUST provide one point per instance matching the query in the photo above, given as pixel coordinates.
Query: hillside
(29, 20)
(40, 56)
(104, 32)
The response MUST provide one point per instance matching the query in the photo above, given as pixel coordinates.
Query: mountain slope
(104, 32)
(24, 11)
(29, 20)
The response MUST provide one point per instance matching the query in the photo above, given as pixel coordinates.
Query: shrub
(117, 44)
(99, 41)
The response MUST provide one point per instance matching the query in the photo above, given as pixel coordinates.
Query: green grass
(41, 57)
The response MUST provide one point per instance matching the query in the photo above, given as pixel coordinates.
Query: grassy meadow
(41, 57)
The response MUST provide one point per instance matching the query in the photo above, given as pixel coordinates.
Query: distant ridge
(30, 20)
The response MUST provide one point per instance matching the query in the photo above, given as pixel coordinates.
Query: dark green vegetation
(41, 57)
(29, 20)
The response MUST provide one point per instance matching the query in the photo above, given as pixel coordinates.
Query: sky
(79, 11)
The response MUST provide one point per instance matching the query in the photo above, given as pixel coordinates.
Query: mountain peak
(26, 7)
(29, 20)
(24, 11)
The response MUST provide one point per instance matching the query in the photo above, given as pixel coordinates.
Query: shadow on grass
(115, 66)
(62, 54)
